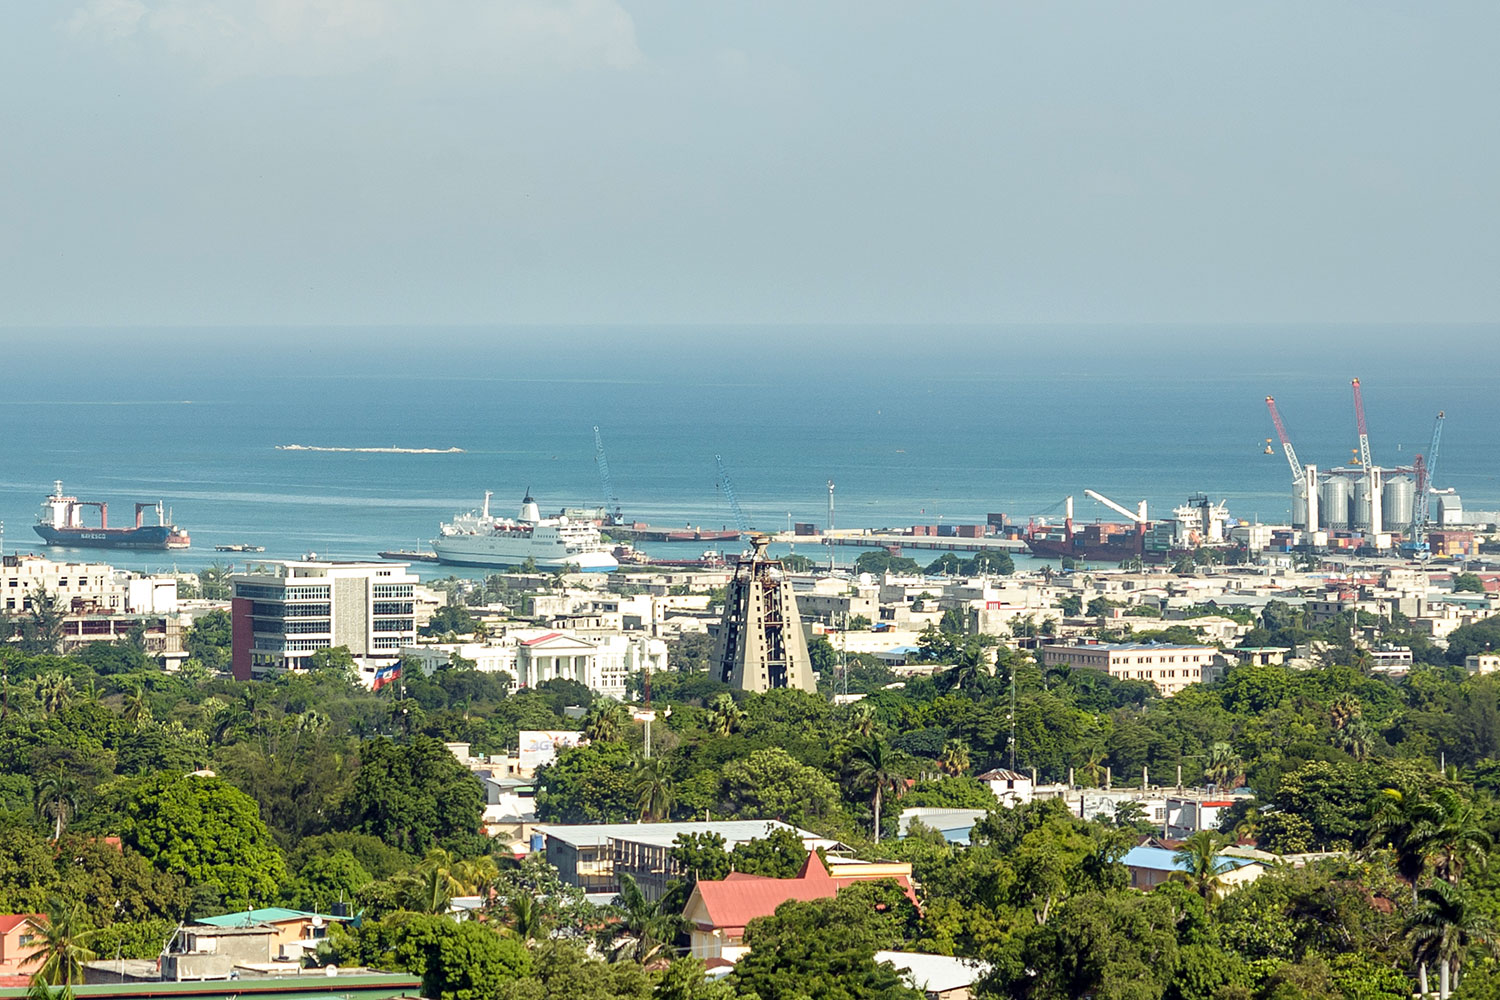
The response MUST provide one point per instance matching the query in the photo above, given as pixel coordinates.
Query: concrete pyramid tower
(761, 646)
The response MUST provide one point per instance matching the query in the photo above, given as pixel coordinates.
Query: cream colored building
(1170, 667)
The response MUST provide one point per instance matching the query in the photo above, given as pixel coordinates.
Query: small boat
(239, 547)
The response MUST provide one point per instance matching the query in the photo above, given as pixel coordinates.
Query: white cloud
(235, 38)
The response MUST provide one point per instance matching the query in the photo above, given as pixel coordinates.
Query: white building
(601, 662)
(282, 618)
(1012, 788)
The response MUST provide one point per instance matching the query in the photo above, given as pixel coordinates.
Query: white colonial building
(601, 662)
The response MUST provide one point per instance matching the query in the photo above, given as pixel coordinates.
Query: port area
(640, 532)
(875, 539)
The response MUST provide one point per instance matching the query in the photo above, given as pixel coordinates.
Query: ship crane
(1138, 515)
(611, 502)
(1372, 474)
(1286, 442)
(734, 501)
(1426, 469)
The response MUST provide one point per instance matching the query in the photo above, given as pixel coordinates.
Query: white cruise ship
(553, 543)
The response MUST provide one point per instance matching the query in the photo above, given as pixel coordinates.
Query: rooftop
(264, 915)
(665, 834)
(1162, 860)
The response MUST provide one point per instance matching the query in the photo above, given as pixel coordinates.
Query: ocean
(914, 425)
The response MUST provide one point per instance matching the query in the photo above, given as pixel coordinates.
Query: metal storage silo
(1334, 496)
(1400, 498)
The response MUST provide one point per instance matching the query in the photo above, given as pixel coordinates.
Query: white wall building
(282, 618)
(601, 662)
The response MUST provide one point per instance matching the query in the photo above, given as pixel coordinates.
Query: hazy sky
(654, 161)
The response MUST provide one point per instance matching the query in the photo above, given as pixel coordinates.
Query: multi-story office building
(1170, 667)
(282, 618)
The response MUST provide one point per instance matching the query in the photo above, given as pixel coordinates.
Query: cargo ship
(553, 543)
(1199, 523)
(61, 523)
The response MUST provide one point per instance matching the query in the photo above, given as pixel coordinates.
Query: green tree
(726, 717)
(643, 928)
(42, 622)
(822, 949)
(872, 767)
(1467, 582)
(457, 961)
(588, 784)
(209, 640)
(779, 854)
(772, 784)
(62, 945)
(325, 879)
(412, 795)
(1201, 864)
(653, 789)
(1109, 947)
(57, 797)
(1444, 927)
(207, 832)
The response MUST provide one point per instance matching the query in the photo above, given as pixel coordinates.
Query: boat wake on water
(375, 451)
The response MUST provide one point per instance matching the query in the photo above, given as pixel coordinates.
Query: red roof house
(19, 933)
(717, 912)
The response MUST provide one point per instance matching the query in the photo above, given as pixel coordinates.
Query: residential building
(281, 618)
(1187, 814)
(939, 977)
(718, 912)
(1149, 867)
(99, 603)
(292, 932)
(1170, 667)
(592, 856)
(18, 943)
(1482, 663)
(1012, 788)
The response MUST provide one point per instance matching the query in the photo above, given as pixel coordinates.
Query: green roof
(264, 915)
(363, 986)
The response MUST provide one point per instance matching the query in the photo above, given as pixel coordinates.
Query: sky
(513, 162)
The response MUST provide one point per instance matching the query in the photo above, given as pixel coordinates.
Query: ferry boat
(61, 523)
(479, 538)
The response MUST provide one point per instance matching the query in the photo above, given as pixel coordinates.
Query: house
(718, 912)
(593, 856)
(939, 977)
(18, 936)
(292, 932)
(1149, 867)
(1012, 788)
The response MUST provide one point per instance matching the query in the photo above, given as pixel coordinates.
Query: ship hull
(154, 537)
(1077, 549)
(477, 555)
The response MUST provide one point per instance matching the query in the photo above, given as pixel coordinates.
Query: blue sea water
(914, 425)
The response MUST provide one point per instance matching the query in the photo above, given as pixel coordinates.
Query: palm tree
(1398, 821)
(605, 723)
(872, 767)
(862, 720)
(62, 945)
(57, 797)
(1095, 755)
(54, 692)
(1202, 866)
(1358, 738)
(644, 928)
(1223, 765)
(967, 670)
(956, 758)
(1443, 928)
(438, 877)
(136, 707)
(653, 789)
(727, 716)
(524, 916)
(1456, 835)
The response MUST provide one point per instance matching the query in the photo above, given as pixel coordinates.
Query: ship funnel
(529, 512)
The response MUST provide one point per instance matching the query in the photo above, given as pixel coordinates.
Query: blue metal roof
(1162, 860)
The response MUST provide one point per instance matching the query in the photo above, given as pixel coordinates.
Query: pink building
(19, 934)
